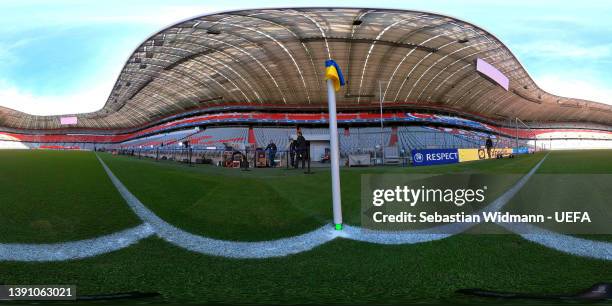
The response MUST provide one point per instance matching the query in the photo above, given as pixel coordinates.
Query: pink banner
(68, 120)
(492, 73)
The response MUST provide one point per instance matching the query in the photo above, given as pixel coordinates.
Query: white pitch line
(560, 242)
(74, 249)
(301, 243)
(286, 246)
(224, 248)
(441, 231)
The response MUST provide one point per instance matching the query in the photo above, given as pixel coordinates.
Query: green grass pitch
(48, 196)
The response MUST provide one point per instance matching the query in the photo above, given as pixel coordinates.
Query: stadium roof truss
(276, 57)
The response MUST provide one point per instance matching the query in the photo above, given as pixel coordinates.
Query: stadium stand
(414, 130)
(363, 140)
(280, 136)
(167, 139)
(217, 137)
(352, 139)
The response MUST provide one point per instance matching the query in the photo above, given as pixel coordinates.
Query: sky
(63, 56)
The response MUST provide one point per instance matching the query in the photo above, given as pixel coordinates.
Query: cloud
(159, 15)
(587, 87)
(557, 49)
(8, 56)
(81, 14)
(91, 94)
(86, 100)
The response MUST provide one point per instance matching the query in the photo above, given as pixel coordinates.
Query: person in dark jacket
(489, 146)
(271, 148)
(301, 148)
(292, 150)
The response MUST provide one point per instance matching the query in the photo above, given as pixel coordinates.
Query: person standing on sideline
(301, 146)
(271, 148)
(489, 146)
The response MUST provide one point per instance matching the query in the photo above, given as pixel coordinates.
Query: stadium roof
(276, 57)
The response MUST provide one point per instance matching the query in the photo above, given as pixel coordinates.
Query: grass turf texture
(51, 196)
(263, 204)
(341, 271)
(571, 181)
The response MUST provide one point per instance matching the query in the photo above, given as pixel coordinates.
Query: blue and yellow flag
(333, 72)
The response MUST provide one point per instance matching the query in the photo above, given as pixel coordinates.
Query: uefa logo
(418, 157)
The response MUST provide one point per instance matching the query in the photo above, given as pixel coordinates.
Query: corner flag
(334, 79)
(333, 73)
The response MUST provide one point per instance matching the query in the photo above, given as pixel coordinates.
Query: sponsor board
(520, 150)
(449, 156)
(469, 154)
(503, 151)
(434, 157)
(466, 155)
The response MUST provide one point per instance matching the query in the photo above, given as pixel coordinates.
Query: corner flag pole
(334, 78)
